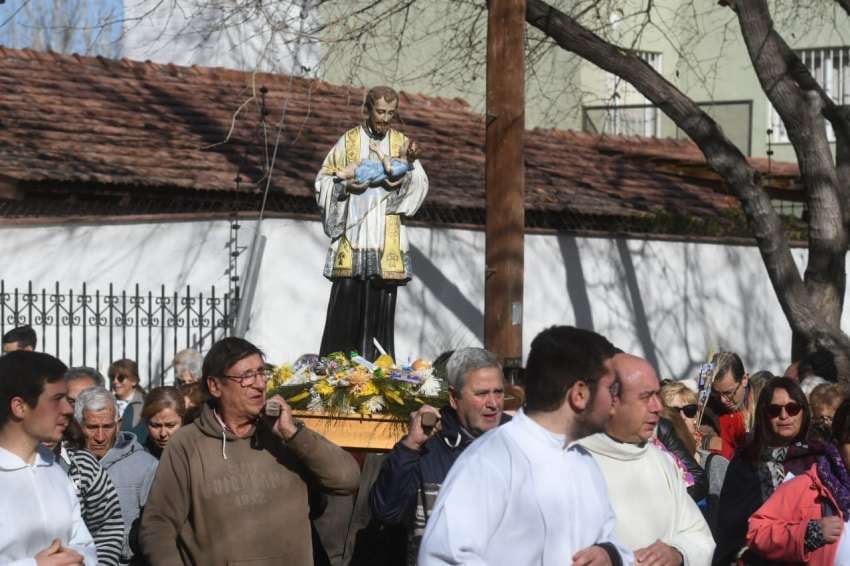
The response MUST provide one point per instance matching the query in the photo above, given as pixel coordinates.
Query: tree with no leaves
(812, 302)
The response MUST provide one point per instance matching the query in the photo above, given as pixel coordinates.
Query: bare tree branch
(721, 154)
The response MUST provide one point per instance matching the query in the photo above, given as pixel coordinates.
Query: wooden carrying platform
(374, 432)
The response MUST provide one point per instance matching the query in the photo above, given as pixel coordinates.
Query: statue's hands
(348, 173)
(412, 151)
(376, 147)
(355, 187)
(394, 184)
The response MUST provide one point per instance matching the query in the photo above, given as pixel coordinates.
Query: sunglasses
(689, 411)
(120, 378)
(793, 409)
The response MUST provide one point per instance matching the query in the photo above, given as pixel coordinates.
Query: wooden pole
(505, 180)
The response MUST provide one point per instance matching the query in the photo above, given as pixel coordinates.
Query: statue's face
(381, 115)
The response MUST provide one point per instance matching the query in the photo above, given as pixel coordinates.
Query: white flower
(375, 404)
(297, 379)
(315, 403)
(430, 387)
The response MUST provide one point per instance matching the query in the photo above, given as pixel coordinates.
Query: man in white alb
(40, 521)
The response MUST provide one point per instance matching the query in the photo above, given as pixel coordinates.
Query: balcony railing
(734, 117)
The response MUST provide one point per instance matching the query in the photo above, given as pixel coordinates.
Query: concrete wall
(668, 301)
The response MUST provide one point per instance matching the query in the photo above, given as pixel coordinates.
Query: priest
(368, 255)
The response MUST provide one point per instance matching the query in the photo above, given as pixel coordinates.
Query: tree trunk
(801, 111)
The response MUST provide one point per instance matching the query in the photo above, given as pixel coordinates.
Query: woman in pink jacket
(804, 520)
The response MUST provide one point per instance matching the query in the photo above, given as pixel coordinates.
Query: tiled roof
(107, 124)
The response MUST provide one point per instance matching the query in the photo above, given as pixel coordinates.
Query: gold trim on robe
(344, 260)
(392, 265)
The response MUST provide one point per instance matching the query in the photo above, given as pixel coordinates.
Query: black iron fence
(95, 327)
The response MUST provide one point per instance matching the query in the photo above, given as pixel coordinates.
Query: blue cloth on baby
(372, 172)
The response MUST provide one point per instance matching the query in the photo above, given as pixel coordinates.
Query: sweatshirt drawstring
(456, 442)
(223, 438)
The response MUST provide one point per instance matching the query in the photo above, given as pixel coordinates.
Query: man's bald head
(629, 367)
(638, 406)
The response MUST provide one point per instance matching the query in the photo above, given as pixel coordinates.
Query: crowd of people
(604, 463)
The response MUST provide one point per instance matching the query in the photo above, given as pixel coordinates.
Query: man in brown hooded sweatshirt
(232, 487)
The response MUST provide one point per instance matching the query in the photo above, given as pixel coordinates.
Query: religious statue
(368, 181)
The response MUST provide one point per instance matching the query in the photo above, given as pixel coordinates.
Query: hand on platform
(284, 426)
(831, 528)
(416, 436)
(592, 556)
(56, 555)
(658, 554)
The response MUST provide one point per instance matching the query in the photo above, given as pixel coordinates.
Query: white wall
(670, 302)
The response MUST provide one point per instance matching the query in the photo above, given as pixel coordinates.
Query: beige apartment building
(695, 44)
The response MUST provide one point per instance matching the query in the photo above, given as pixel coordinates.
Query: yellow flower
(366, 389)
(384, 362)
(324, 388)
(393, 396)
(301, 396)
(282, 373)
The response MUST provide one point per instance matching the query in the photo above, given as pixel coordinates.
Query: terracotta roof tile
(138, 124)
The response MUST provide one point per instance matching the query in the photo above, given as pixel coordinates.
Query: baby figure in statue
(388, 171)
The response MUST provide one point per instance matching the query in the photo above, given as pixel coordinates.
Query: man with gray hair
(128, 465)
(413, 471)
(81, 378)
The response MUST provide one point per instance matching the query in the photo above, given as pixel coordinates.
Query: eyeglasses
(247, 378)
(730, 395)
(689, 411)
(120, 378)
(792, 409)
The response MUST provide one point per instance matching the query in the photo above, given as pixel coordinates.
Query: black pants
(359, 310)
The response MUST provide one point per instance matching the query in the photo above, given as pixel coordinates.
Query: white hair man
(412, 472)
(129, 466)
(656, 518)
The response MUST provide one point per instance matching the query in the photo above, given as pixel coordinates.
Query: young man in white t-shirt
(40, 522)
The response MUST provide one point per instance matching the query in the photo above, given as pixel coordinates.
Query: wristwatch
(299, 424)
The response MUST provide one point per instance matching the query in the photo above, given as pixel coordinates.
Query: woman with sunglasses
(679, 399)
(124, 382)
(774, 453)
(680, 406)
(804, 520)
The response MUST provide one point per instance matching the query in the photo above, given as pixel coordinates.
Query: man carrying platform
(361, 213)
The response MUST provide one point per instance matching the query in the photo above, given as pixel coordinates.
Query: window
(830, 66)
(630, 113)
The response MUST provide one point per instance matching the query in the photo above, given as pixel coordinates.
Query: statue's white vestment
(367, 236)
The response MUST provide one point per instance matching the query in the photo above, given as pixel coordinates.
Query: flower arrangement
(340, 384)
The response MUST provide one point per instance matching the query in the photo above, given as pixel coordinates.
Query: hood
(210, 424)
(126, 444)
(454, 434)
(10, 462)
(602, 444)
